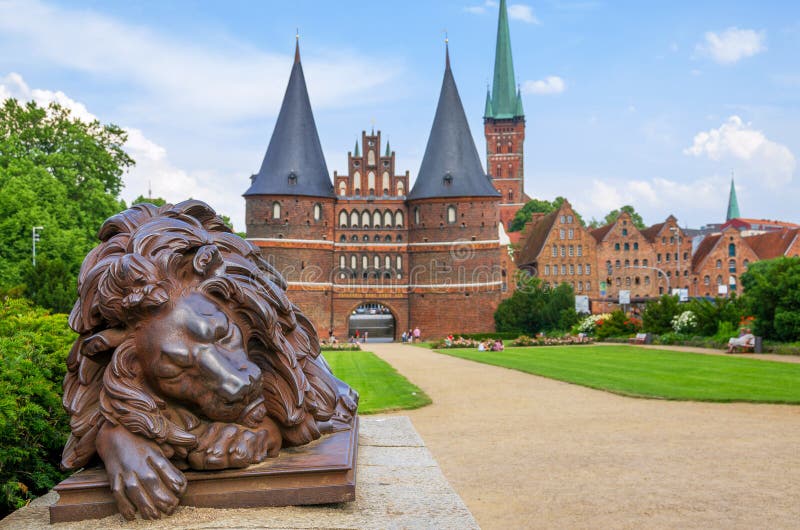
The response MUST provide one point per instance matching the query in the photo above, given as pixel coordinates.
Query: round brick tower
(454, 248)
(289, 207)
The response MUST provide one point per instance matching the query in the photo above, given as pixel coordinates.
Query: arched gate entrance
(374, 318)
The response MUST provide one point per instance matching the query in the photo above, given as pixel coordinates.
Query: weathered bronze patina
(190, 356)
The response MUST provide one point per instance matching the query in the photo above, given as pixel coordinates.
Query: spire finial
(446, 51)
(297, 45)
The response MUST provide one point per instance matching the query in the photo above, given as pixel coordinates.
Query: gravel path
(529, 452)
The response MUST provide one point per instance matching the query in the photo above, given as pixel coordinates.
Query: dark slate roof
(451, 166)
(294, 163)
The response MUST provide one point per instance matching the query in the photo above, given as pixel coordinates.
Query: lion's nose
(235, 380)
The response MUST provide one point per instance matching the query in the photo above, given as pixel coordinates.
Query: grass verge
(640, 372)
(380, 387)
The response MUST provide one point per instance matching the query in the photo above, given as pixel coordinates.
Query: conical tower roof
(505, 101)
(733, 204)
(451, 166)
(294, 163)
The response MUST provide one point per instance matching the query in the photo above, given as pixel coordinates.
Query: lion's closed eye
(179, 355)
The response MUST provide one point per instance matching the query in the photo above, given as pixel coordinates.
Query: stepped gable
(451, 166)
(772, 245)
(294, 163)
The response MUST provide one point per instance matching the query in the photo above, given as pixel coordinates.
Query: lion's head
(180, 321)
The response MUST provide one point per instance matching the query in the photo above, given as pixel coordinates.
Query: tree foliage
(612, 216)
(524, 214)
(658, 314)
(33, 424)
(535, 308)
(772, 296)
(59, 173)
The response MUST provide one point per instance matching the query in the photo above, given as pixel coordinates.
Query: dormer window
(447, 179)
(292, 178)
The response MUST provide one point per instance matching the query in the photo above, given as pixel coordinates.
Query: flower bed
(340, 346)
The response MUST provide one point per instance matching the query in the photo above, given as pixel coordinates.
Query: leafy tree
(524, 214)
(711, 313)
(658, 314)
(534, 308)
(33, 424)
(772, 296)
(637, 220)
(158, 201)
(60, 173)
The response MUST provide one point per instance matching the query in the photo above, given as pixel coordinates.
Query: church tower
(504, 127)
(733, 204)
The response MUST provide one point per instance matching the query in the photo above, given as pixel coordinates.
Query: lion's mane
(149, 253)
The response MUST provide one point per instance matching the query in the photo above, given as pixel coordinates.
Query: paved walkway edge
(398, 485)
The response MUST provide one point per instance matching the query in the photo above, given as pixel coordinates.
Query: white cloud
(481, 8)
(737, 141)
(153, 167)
(228, 81)
(522, 12)
(732, 45)
(551, 84)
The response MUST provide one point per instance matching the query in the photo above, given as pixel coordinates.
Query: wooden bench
(753, 344)
(641, 338)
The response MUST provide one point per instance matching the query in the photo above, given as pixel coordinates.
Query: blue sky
(626, 102)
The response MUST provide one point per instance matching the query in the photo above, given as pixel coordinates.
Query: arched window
(617, 264)
(398, 219)
(388, 239)
(317, 212)
(451, 214)
(732, 265)
(342, 262)
(376, 261)
(365, 219)
(387, 219)
(387, 183)
(554, 251)
(416, 215)
(354, 219)
(635, 246)
(644, 263)
(342, 188)
(510, 195)
(731, 250)
(719, 263)
(398, 238)
(387, 262)
(276, 210)
(343, 238)
(357, 183)
(376, 219)
(627, 246)
(371, 182)
(719, 280)
(616, 246)
(399, 263)
(353, 261)
(343, 219)
(377, 238)
(401, 188)
(371, 157)
(364, 262)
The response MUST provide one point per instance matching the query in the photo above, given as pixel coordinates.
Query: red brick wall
(638, 252)
(717, 267)
(505, 141)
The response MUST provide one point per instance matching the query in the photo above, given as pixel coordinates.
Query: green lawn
(379, 385)
(642, 372)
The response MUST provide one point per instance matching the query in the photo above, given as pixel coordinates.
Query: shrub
(772, 295)
(588, 324)
(710, 313)
(33, 424)
(658, 314)
(535, 307)
(617, 324)
(340, 346)
(685, 322)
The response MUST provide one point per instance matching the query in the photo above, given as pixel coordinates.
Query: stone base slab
(400, 485)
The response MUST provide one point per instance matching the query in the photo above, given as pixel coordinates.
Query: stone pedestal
(399, 486)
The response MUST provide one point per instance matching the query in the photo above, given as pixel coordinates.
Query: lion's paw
(226, 445)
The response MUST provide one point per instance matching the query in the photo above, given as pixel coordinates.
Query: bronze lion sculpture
(189, 356)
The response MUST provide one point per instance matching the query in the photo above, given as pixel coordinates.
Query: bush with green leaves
(534, 308)
(772, 296)
(618, 324)
(711, 313)
(658, 314)
(685, 322)
(33, 424)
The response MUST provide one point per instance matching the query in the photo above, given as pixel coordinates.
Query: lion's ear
(103, 341)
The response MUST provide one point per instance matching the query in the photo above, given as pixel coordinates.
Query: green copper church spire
(733, 204)
(356, 152)
(388, 149)
(504, 97)
(487, 113)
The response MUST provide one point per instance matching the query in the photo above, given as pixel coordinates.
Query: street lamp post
(34, 239)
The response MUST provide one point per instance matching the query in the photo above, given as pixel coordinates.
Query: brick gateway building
(369, 242)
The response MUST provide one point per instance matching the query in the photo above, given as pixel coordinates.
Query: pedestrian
(366, 335)
(417, 334)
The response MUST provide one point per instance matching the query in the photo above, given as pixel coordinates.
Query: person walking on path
(417, 334)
